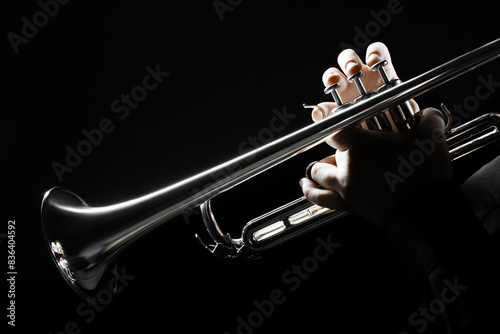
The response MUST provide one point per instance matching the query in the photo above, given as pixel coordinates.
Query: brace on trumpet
(84, 240)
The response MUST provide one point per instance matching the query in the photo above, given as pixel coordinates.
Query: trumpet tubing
(83, 240)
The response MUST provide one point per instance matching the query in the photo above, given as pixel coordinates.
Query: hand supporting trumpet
(433, 229)
(357, 178)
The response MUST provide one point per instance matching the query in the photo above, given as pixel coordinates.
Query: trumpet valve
(333, 89)
(356, 78)
(380, 67)
(402, 114)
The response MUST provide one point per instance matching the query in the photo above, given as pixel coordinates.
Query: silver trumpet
(83, 240)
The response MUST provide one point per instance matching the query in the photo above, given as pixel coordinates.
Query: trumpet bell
(82, 240)
(60, 224)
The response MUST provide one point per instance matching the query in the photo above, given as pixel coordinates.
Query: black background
(226, 77)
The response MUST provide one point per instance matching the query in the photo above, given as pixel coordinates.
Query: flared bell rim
(51, 199)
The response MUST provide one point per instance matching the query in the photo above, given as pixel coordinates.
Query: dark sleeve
(459, 241)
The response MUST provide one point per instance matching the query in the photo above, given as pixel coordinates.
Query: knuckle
(314, 172)
(306, 191)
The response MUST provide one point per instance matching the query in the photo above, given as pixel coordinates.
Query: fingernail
(318, 111)
(300, 182)
(373, 59)
(350, 65)
(333, 79)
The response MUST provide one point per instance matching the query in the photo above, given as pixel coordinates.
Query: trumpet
(84, 240)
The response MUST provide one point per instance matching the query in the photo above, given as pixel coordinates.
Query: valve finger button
(333, 89)
(356, 78)
(381, 70)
